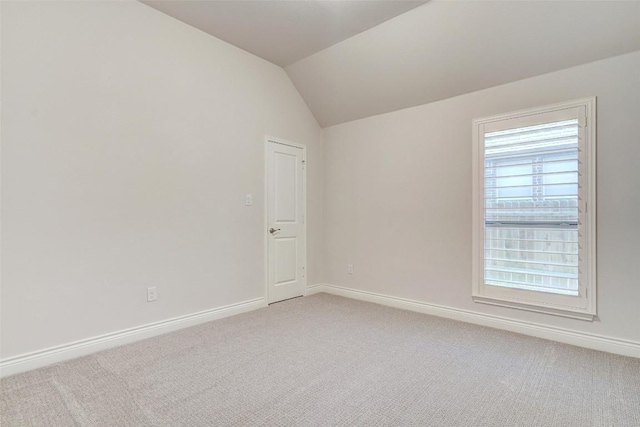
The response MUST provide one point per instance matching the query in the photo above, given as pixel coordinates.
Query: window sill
(534, 307)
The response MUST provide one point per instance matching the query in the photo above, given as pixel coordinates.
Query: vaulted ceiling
(283, 32)
(435, 51)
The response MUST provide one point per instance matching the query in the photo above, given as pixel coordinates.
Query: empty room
(320, 213)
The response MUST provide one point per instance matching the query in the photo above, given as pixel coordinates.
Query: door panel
(286, 244)
(286, 260)
(285, 187)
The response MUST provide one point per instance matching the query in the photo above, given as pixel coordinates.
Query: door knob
(273, 230)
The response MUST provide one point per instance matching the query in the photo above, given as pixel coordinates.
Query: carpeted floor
(324, 360)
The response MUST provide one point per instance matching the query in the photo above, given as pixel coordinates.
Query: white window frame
(582, 306)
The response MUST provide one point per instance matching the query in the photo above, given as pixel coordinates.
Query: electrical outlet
(152, 294)
(248, 200)
(349, 268)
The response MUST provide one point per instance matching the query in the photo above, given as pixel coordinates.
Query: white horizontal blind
(531, 202)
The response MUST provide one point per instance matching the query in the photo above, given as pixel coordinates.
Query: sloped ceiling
(447, 48)
(283, 32)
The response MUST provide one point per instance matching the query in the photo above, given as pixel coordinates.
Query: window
(534, 210)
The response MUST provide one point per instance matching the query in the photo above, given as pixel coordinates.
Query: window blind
(531, 201)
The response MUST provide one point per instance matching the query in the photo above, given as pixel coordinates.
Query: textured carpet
(324, 360)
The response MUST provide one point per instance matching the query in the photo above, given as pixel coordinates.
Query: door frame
(271, 140)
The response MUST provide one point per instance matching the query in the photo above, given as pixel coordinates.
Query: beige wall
(397, 191)
(129, 141)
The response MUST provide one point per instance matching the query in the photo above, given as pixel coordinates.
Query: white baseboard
(567, 336)
(38, 359)
(317, 288)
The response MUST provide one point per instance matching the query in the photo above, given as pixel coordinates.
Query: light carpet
(330, 361)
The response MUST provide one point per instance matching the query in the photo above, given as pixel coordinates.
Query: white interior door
(286, 234)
